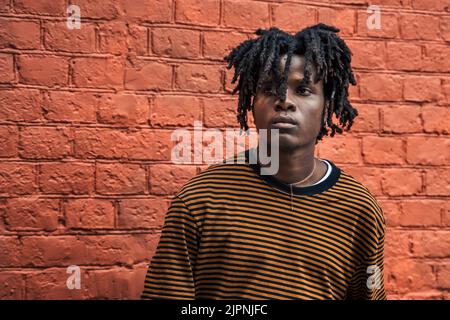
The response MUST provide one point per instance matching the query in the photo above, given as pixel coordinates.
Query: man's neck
(295, 165)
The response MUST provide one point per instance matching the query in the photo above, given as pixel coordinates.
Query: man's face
(304, 105)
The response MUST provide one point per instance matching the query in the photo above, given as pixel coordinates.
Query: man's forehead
(296, 68)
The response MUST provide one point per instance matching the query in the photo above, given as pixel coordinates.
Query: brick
(396, 52)
(411, 182)
(176, 43)
(443, 276)
(98, 72)
(346, 1)
(216, 45)
(17, 178)
(137, 11)
(419, 27)
(389, 25)
(58, 37)
(137, 76)
(220, 112)
(446, 215)
(148, 10)
(346, 149)
(20, 105)
(446, 91)
(428, 150)
(32, 214)
(51, 284)
(138, 39)
(116, 283)
(401, 119)
(9, 251)
(45, 142)
(418, 213)
(43, 70)
(198, 78)
(289, 17)
(168, 179)
(123, 109)
(101, 250)
(113, 37)
(179, 111)
(379, 87)
(198, 12)
(432, 119)
(9, 140)
(445, 28)
(47, 251)
(89, 214)
(5, 6)
(99, 9)
(383, 150)
(18, 34)
(368, 119)
(114, 144)
(343, 19)
(120, 178)
(6, 68)
(66, 178)
(437, 182)
(13, 285)
(430, 244)
(436, 58)
(424, 295)
(368, 54)
(41, 7)
(406, 275)
(418, 88)
(64, 106)
(397, 244)
(443, 5)
(142, 213)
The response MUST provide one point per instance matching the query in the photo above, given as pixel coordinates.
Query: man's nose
(287, 104)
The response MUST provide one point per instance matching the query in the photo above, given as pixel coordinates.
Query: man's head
(301, 79)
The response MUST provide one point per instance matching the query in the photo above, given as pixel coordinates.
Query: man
(309, 231)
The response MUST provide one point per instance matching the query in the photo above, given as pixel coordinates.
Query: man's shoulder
(361, 194)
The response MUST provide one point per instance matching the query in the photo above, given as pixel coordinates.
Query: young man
(309, 231)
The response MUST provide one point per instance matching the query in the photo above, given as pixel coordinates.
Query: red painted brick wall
(86, 117)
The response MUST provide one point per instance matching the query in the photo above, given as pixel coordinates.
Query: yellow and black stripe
(232, 233)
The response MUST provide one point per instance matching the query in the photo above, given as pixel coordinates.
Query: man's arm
(367, 282)
(170, 273)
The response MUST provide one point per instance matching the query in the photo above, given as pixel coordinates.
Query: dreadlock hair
(257, 59)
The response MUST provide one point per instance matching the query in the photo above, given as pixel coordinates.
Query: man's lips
(283, 122)
(282, 125)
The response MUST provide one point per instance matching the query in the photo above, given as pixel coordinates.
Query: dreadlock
(255, 60)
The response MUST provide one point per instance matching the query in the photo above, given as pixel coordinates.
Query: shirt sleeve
(367, 283)
(170, 273)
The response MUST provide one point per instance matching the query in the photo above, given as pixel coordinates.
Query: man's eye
(269, 91)
(303, 91)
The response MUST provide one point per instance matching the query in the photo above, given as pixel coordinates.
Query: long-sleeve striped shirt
(234, 233)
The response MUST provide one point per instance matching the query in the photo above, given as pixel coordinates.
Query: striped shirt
(234, 233)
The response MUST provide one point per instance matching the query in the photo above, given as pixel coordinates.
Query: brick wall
(86, 116)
